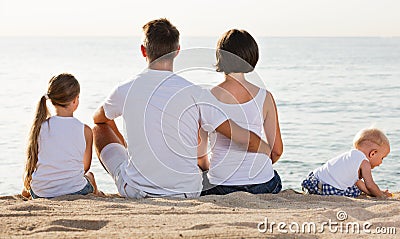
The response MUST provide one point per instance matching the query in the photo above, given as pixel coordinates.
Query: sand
(238, 215)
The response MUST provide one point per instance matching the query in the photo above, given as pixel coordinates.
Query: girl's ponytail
(42, 113)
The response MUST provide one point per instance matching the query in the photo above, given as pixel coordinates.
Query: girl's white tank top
(59, 170)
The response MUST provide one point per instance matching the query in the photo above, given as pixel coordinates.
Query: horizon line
(272, 36)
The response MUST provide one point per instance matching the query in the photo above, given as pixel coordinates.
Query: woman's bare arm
(272, 128)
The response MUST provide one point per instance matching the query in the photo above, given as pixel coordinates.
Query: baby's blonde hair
(373, 135)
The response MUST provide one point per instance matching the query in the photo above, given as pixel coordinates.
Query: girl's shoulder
(58, 120)
(56, 117)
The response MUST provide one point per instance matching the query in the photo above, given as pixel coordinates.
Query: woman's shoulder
(237, 94)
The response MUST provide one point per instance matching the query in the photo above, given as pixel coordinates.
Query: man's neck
(162, 65)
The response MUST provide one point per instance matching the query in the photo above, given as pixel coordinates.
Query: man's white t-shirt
(341, 172)
(162, 113)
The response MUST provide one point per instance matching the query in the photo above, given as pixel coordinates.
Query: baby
(349, 174)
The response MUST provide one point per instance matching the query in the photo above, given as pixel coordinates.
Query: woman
(231, 168)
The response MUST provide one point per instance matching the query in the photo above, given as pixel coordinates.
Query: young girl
(60, 147)
(231, 168)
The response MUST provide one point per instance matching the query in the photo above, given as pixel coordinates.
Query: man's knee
(99, 129)
(100, 137)
(103, 135)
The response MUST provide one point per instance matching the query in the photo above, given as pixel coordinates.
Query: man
(162, 114)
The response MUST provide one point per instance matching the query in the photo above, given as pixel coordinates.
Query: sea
(326, 90)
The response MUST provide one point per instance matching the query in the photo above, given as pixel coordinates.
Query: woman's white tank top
(230, 163)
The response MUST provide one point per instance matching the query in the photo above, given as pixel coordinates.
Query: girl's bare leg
(25, 193)
(90, 176)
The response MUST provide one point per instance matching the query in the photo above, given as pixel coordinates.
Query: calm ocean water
(326, 90)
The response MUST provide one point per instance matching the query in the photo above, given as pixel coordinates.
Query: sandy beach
(238, 215)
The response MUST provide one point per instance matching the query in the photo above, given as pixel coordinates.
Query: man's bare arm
(248, 139)
(99, 117)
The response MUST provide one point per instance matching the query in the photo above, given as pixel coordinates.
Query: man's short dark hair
(161, 38)
(237, 51)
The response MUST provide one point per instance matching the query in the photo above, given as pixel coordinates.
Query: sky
(201, 18)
